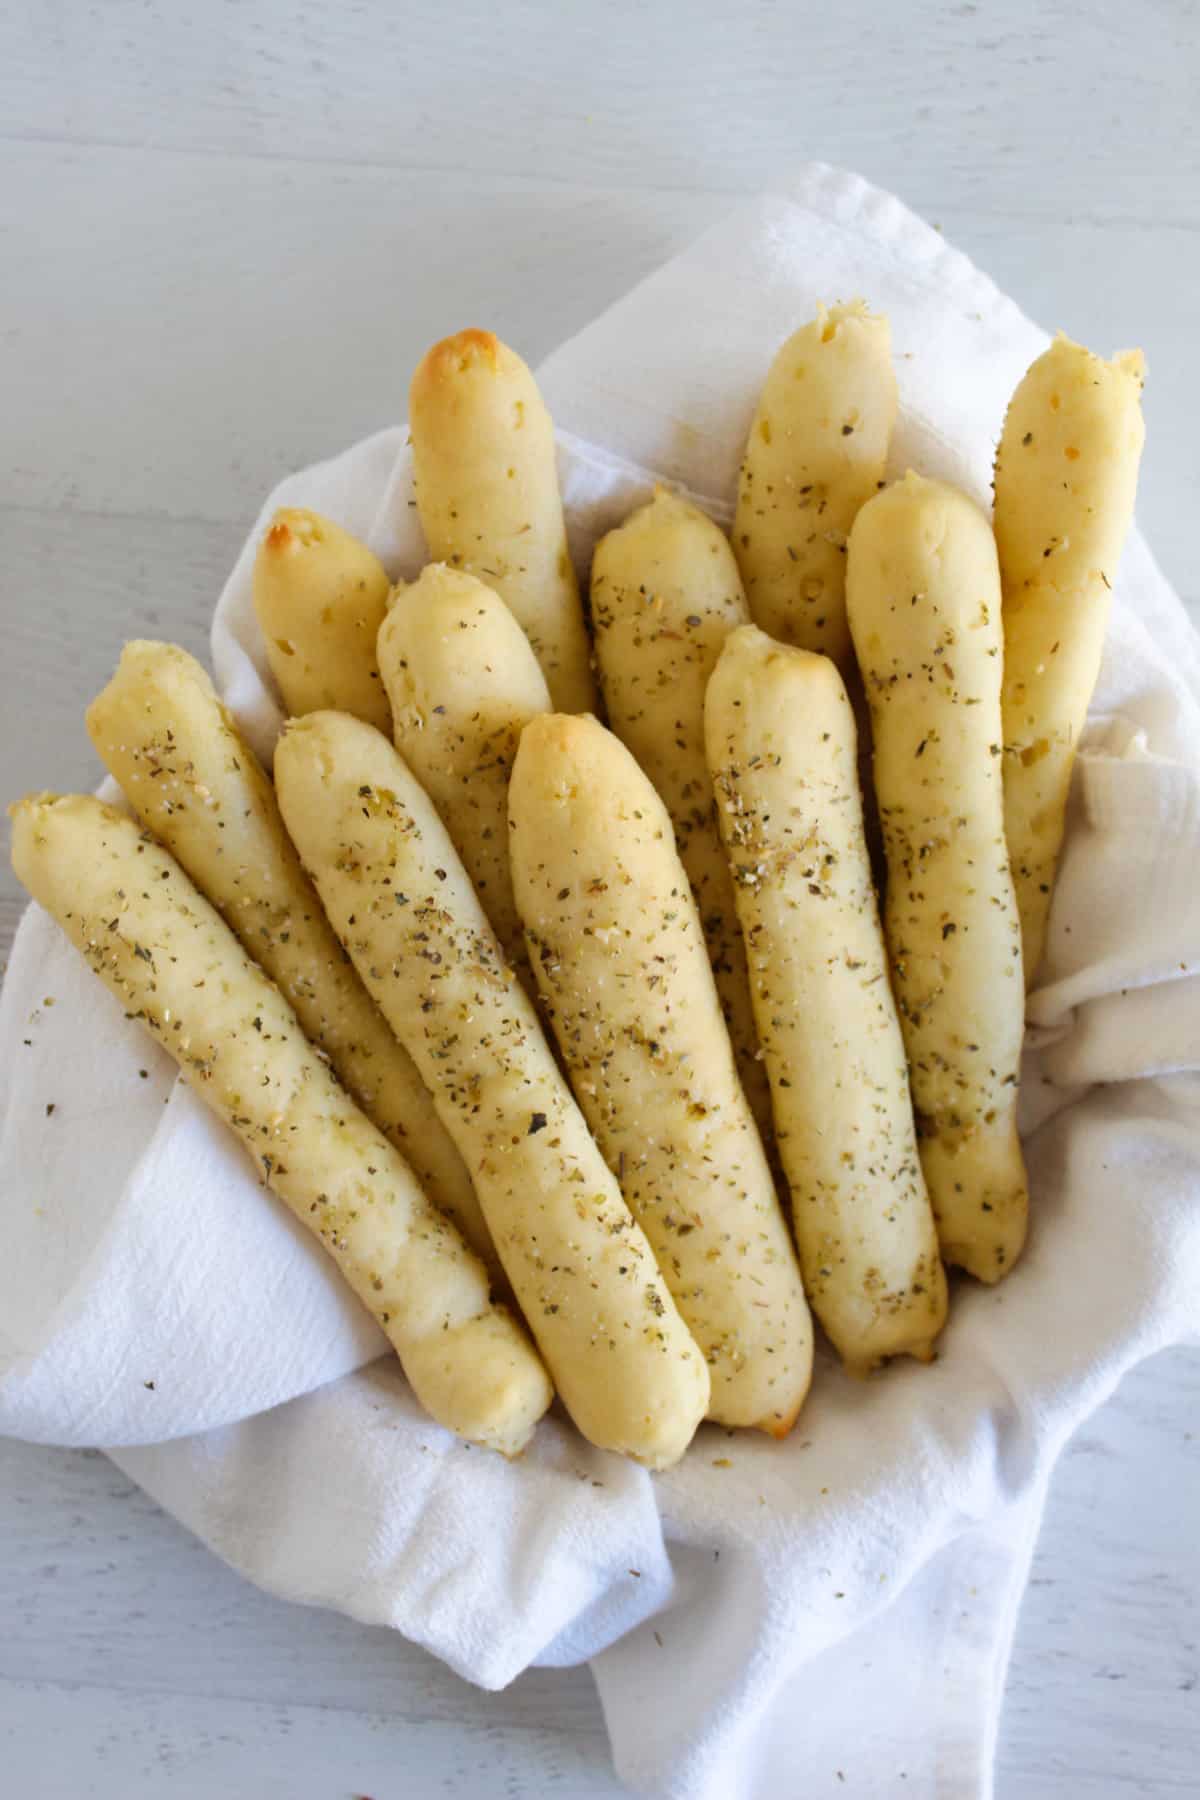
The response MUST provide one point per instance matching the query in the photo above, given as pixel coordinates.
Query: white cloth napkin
(829, 1615)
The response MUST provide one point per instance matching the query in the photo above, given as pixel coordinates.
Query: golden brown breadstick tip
(320, 597)
(486, 478)
(174, 964)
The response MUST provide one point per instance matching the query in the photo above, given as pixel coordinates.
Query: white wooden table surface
(226, 233)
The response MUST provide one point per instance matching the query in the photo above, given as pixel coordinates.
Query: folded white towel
(768, 1618)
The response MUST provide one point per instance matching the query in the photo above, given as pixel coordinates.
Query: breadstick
(320, 597)
(487, 497)
(816, 450)
(463, 682)
(1066, 475)
(665, 595)
(923, 590)
(173, 963)
(585, 1277)
(192, 780)
(615, 940)
(783, 749)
